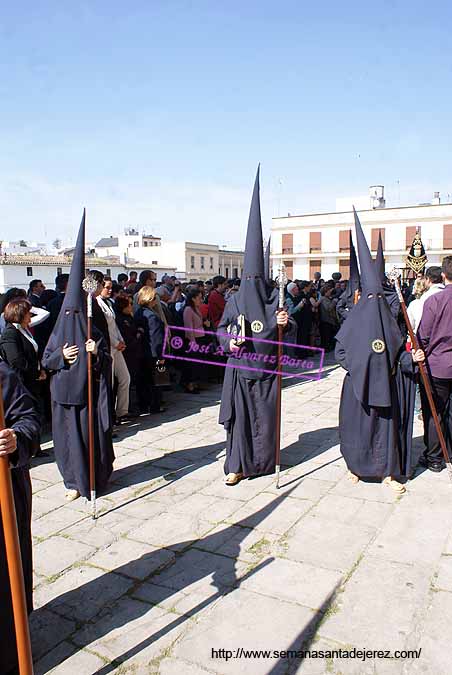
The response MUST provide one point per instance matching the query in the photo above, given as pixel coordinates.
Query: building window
(29, 271)
(344, 268)
(136, 244)
(211, 263)
(314, 266)
(447, 236)
(192, 262)
(202, 262)
(227, 272)
(374, 238)
(108, 272)
(219, 270)
(154, 262)
(235, 272)
(287, 244)
(130, 245)
(145, 243)
(410, 234)
(344, 240)
(59, 270)
(315, 242)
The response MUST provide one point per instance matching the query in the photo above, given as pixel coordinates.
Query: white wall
(16, 275)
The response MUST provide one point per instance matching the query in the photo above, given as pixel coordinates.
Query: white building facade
(192, 260)
(319, 242)
(18, 271)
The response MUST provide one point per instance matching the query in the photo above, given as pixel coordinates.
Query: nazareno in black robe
(69, 387)
(70, 421)
(377, 401)
(20, 415)
(247, 410)
(376, 442)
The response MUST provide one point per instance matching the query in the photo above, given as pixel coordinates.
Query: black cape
(376, 442)
(21, 416)
(70, 420)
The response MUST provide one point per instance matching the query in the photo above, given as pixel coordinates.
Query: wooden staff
(424, 375)
(281, 283)
(14, 560)
(90, 286)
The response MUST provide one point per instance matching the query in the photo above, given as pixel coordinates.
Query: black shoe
(435, 466)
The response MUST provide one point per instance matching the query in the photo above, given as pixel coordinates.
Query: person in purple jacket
(435, 338)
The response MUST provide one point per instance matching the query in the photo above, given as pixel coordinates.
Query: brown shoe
(233, 478)
(395, 485)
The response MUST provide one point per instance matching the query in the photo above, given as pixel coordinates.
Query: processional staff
(14, 560)
(281, 286)
(89, 285)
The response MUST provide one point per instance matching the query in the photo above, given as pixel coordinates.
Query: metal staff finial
(89, 285)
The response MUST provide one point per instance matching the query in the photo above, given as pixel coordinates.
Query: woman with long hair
(148, 319)
(195, 326)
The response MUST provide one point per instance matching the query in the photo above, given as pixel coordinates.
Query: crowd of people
(46, 353)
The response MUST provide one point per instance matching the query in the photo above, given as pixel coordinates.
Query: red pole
(14, 560)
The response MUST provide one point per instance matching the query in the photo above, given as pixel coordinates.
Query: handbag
(162, 377)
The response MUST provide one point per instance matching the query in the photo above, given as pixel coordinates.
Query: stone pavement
(178, 564)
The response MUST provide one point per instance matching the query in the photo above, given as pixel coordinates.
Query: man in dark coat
(66, 358)
(377, 401)
(18, 440)
(348, 298)
(248, 400)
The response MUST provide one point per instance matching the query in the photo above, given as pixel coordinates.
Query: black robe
(20, 415)
(70, 421)
(247, 410)
(376, 442)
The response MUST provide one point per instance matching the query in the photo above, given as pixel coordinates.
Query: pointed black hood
(380, 260)
(370, 281)
(354, 282)
(267, 260)
(75, 297)
(389, 291)
(69, 385)
(253, 261)
(255, 301)
(370, 336)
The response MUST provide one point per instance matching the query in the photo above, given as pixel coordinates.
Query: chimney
(436, 199)
(377, 197)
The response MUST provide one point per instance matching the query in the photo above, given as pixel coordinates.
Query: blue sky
(156, 114)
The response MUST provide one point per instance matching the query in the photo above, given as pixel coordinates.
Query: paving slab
(179, 564)
(380, 606)
(327, 543)
(247, 620)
